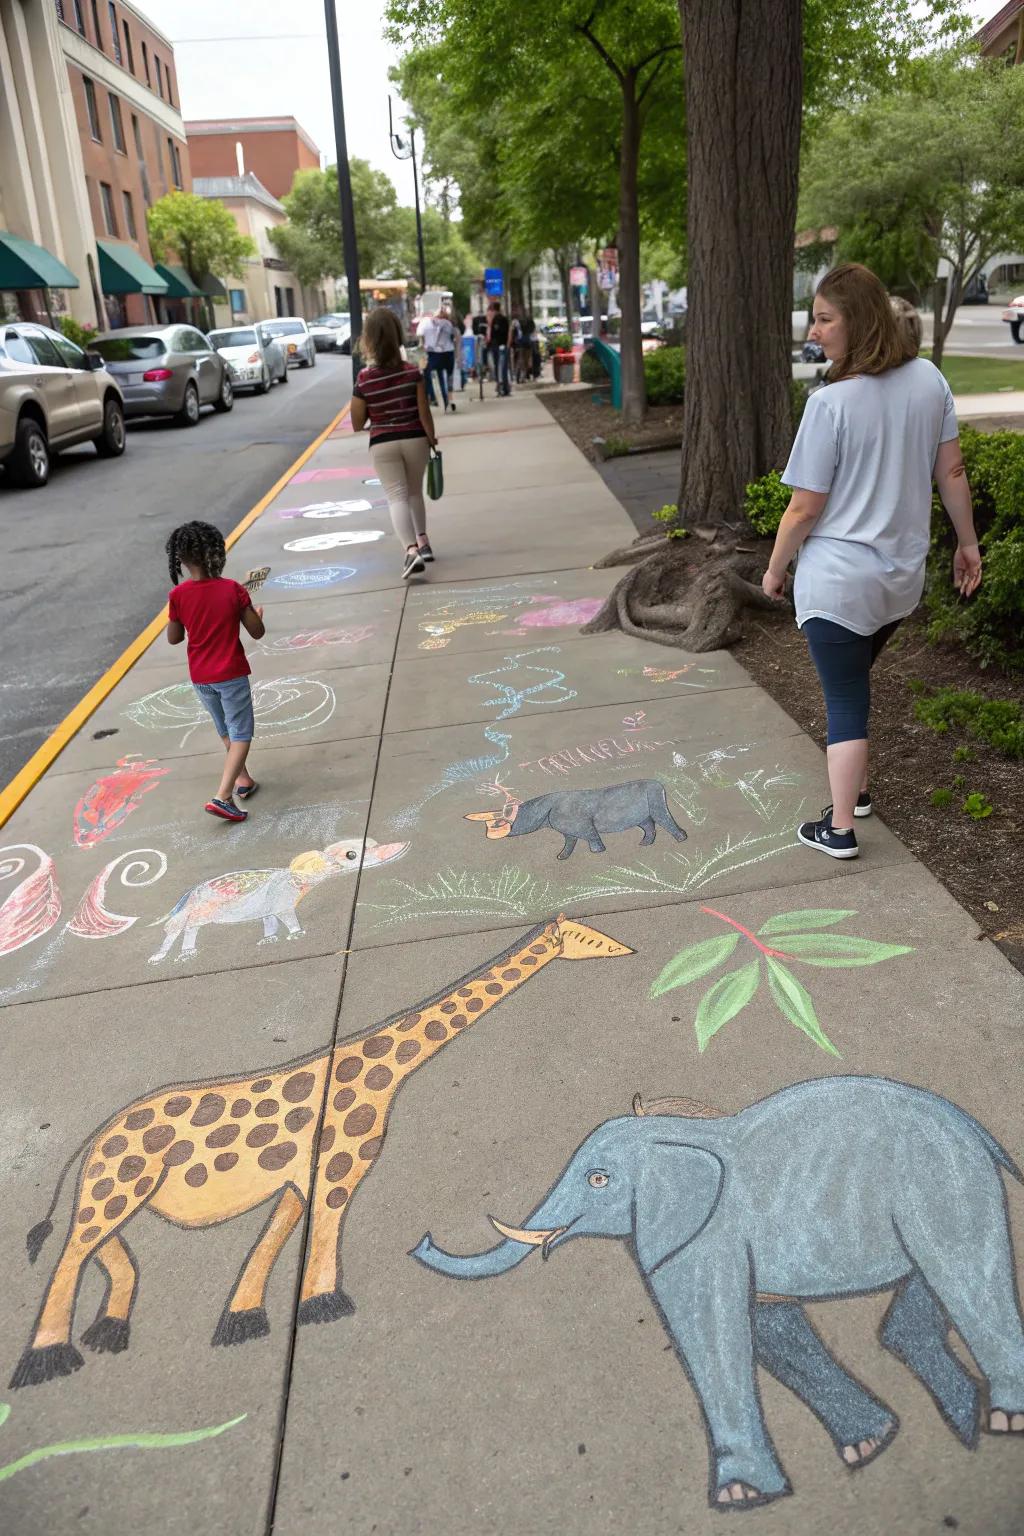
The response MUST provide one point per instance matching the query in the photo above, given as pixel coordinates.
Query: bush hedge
(592, 370)
(665, 375)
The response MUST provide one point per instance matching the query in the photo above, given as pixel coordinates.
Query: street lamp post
(397, 149)
(348, 219)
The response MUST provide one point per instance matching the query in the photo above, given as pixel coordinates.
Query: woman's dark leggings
(844, 660)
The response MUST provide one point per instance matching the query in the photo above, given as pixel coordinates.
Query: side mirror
(94, 362)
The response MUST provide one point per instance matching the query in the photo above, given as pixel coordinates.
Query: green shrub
(669, 515)
(81, 335)
(765, 501)
(977, 806)
(665, 375)
(941, 798)
(592, 370)
(561, 341)
(999, 722)
(797, 400)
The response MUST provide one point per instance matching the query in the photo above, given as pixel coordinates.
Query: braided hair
(197, 544)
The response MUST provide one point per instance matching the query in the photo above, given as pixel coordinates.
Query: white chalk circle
(281, 705)
(335, 540)
(339, 509)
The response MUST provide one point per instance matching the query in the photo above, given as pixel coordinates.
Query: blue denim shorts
(230, 707)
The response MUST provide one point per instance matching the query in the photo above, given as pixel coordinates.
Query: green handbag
(435, 475)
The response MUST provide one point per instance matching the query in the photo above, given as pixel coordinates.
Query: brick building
(272, 148)
(267, 287)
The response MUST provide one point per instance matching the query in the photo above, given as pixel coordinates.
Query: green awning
(24, 265)
(179, 284)
(213, 287)
(123, 270)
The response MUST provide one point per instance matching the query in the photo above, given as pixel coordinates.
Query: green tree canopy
(200, 234)
(311, 241)
(451, 261)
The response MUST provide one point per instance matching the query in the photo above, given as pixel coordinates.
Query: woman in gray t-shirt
(861, 471)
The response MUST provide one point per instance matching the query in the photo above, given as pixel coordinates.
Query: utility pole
(398, 150)
(348, 219)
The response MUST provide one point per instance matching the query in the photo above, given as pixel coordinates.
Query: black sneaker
(413, 564)
(426, 553)
(819, 835)
(863, 806)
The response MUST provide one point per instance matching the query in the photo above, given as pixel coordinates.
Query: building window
(60, 11)
(289, 295)
(237, 297)
(145, 62)
(114, 37)
(128, 47)
(129, 216)
(167, 72)
(97, 34)
(175, 162)
(116, 123)
(90, 102)
(159, 74)
(109, 217)
(137, 136)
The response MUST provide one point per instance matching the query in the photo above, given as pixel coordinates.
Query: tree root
(674, 600)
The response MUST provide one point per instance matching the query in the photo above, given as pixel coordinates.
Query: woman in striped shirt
(389, 395)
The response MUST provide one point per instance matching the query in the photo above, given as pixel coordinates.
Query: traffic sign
(493, 280)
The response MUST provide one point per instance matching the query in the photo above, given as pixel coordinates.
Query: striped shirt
(391, 396)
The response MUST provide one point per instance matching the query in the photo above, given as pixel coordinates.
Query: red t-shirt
(211, 612)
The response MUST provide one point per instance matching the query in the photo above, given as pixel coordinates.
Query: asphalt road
(82, 567)
(978, 329)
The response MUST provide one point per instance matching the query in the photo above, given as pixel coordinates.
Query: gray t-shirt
(870, 442)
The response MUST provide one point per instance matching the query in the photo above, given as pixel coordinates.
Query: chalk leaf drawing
(283, 706)
(142, 1440)
(310, 639)
(199, 1153)
(335, 540)
(267, 896)
(586, 814)
(92, 920)
(32, 908)
(733, 1221)
(313, 576)
(800, 934)
(108, 803)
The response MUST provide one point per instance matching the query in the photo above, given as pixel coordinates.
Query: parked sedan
(255, 359)
(331, 333)
(166, 370)
(293, 335)
(52, 395)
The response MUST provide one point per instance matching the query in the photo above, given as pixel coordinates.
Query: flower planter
(564, 367)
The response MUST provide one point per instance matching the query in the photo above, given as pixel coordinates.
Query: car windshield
(334, 321)
(129, 349)
(285, 327)
(232, 339)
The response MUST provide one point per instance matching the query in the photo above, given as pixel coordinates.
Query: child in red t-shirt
(209, 609)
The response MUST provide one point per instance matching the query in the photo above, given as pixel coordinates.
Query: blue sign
(493, 281)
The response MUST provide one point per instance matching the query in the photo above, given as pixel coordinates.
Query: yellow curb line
(28, 777)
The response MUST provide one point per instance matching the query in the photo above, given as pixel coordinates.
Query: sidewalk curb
(28, 777)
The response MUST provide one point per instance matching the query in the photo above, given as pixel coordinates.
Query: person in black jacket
(497, 345)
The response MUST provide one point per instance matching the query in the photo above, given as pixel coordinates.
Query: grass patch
(998, 722)
(981, 375)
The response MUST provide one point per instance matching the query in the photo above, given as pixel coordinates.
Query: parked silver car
(52, 395)
(293, 334)
(254, 358)
(331, 333)
(166, 370)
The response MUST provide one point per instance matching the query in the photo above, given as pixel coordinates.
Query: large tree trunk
(744, 78)
(634, 393)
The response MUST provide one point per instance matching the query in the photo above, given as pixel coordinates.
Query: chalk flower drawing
(282, 706)
(92, 920)
(33, 907)
(327, 509)
(313, 576)
(309, 639)
(802, 942)
(108, 802)
(142, 1440)
(335, 540)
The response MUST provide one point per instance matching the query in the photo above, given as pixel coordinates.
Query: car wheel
(1016, 327)
(188, 416)
(263, 387)
(111, 441)
(29, 464)
(225, 401)
(284, 375)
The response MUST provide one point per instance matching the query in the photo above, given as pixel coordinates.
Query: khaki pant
(401, 467)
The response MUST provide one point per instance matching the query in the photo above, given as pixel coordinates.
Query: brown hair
(382, 338)
(908, 322)
(875, 342)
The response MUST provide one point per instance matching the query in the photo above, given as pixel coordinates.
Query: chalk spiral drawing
(108, 802)
(313, 576)
(327, 508)
(548, 688)
(282, 706)
(335, 540)
(33, 906)
(92, 920)
(309, 639)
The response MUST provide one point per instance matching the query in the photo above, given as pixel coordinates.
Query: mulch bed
(581, 419)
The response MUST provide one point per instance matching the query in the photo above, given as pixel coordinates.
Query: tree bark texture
(634, 393)
(743, 65)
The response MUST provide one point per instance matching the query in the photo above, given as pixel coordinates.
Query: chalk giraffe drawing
(200, 1153)
(548, 688)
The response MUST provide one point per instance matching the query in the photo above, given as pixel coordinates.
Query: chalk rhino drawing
(586, 813)
(268, 896)
(295, 1136)
(829, 1189)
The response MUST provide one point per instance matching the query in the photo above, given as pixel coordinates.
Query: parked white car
(52, 395)
(255, 360)
(292, 332)
(1013, 314)
(331, 333)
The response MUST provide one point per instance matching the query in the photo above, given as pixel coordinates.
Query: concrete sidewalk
(210, 1024)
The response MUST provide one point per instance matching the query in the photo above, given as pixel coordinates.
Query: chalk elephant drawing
(269, 896)
(586, 813)
(828, 1189)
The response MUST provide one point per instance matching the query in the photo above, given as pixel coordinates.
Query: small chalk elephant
(586, 813)
(828, 1189)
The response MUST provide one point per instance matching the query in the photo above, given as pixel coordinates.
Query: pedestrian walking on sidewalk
(209, 609)
(390, 397)
(497, 345)
(869, 445)
(439, 339)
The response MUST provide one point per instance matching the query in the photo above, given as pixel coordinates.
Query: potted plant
(563, 359)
